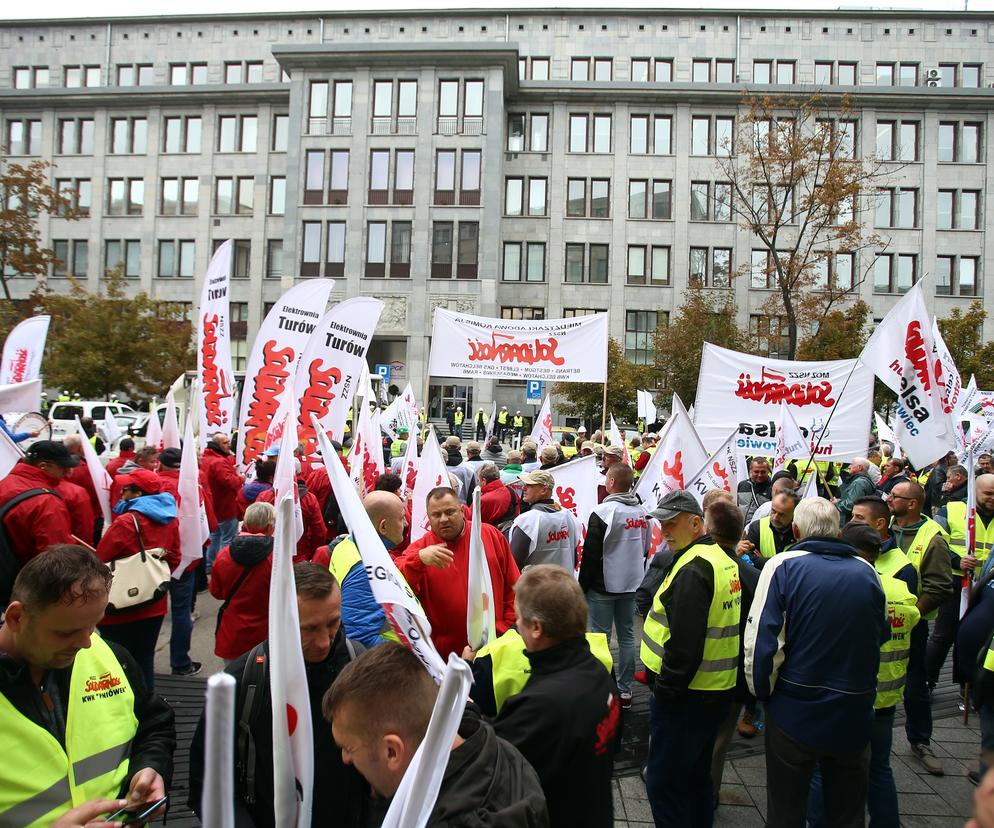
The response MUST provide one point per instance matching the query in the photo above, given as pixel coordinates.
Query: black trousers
(789, 767)
(943, 634)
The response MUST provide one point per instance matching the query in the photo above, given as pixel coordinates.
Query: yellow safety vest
(989, 658)
(956, 516)
(502, 417)
(343, 558)
(511, 668)
(519, 422)
(39, 779)
(891, 562)
(767, 543)
(398, 447)
(902, 615)
(717, 670)
(634, 454)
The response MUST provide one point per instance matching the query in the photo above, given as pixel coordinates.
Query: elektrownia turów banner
(551, 350)
(736, 388)
(272, 365)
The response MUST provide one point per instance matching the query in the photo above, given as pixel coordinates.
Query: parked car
(62, 415)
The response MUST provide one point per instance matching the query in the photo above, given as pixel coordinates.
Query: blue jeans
(881, 792)
(220, 538)
(618, 608)
(678, 770)
(917, 705)
(180, 607)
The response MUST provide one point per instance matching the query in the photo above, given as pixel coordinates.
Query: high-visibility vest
(502, 417)
(902, 615)
(343, 558)
(39, 779)
(717, 670)
(989, 658)
(916, 552)
(398, 447)
(956, 517)
(634, 454)
(891, 562)
(767, 542)
(519, 422)
(422, 416)
(511, 668)
(458, 418)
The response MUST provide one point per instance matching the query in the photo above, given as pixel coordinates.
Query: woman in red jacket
(245, 619)
(142, 499)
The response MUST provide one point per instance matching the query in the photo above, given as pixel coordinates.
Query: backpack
(251, 694)
(332, 515)
(513, 510)
(10, 564)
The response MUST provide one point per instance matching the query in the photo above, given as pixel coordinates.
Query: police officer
(399, 446)
(76, 720)
(502, 417)
(690, 647)
(519, 424)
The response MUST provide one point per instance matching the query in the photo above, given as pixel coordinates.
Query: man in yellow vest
(398, 447)
(76, 720)
(502, 421)
(773, 533)
(690, 648)
(925, 544)
(519, 424)
(952, 518)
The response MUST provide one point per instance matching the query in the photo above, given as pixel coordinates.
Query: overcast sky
(125, 8)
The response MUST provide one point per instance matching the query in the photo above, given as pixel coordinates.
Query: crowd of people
(809, 618)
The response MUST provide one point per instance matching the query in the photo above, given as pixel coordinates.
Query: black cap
(54, 452)
(861, 536)
(674, 503)
(171, 458)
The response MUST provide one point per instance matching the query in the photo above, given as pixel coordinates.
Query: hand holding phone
(137, 814)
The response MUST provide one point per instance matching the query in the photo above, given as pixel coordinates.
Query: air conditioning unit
(932, 77)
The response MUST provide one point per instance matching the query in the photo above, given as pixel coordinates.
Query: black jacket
(957, 495)
(339, 790)
(782, 538)
(155, 740)
(564, 723)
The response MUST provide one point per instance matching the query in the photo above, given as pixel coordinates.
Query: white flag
(388, 586)
(9, 454)
(285, 477)
(721, 471)
(218, 806)
(153, 429)
(23, 350)
(216, 380)
(481, 625)
(293, 736)
(415, 798)
(900, 353)
(409, 471)
(791, 443)
(618, 440)
(98, 474)
(542, 430)
(431, 473)
(170, 424)
(678, 453)
(649, 408)
(366, 454)
(811, 487)
(491, 424)
(576, 486)
(193, 529)
(111, 429)
(20, 397)
(950, 382)
(885, 432)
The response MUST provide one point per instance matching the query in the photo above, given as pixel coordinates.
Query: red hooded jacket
(223, 481)
(38, 522)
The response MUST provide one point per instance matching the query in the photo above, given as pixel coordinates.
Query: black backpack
(10, 564)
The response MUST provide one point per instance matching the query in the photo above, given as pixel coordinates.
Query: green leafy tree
(586, 399)
(963, 335)
(105, 342)
(704, 316)
(27, 193)
(840, 335)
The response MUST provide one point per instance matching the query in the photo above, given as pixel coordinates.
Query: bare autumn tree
(25, 193)
(798, 185)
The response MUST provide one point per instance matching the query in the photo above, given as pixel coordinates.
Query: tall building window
(894, 272)
(957, 276)
(76, 136)
(128, 136)
(237, 133)
(182, 134)
(176, 259)
(23, 137)
(125, 254)
(640, 333)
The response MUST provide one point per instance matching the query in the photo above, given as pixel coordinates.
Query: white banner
(646, 407)
(110, 427)
(551, 350)
(739, 388)
(618, 440)
(885, 432)
(170, 423)
(409, 471)
(272, 365)
(9, 454)
(900, 352)
(20, 397)
(98, 474)
(401, 413)
(23, 350)
(542, 430)
(193, 528)
(215, 379)
(951, 384)
(791, 443)
(366, 454)
(481, 624)
(431, 473)
(330, 367)
(721, 471)
(576, 486)
(678, 454)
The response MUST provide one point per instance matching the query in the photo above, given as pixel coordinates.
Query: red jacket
(81, 477)
(314, 529)
(245, 621)
(223, 481)
(38, 522)
(442, 592)
(495, 501)
(121, 540)
(120, 460)
(81, 516)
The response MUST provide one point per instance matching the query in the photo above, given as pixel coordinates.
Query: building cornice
(145, 96)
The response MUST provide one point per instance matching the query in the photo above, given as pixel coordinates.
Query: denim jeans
(881, 792)
(678, 771)
(220, 538)
(180, 607)
(917, 705)
(618, 608)
(139, 639)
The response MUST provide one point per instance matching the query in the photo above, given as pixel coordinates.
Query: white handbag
(140, 579)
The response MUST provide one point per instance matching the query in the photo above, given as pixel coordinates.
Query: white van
(62, 415)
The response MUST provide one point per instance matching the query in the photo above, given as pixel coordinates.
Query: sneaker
(626, 701)
(746, 727)
(641, 677)
(192, 670)
(974, 777)
(928, 759)
(194, 615)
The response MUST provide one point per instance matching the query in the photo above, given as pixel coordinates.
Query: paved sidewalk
(925, 801)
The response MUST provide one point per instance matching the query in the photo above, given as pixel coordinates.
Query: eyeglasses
(893, 496)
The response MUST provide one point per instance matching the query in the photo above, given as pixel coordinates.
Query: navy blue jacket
(812, 644)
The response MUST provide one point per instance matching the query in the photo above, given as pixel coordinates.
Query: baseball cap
(53, 451)
(862, 537)
(272, 451)
(171, 458)
(615, 451)
(143, 479)
(538, 478)
(674, 503)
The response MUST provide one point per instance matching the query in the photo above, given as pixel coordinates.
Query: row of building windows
(138, 74)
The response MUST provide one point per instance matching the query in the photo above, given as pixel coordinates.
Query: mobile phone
(138, 814)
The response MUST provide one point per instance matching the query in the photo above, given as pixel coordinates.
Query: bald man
(362, 615)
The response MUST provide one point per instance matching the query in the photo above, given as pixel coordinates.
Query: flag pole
(831, 413)
(604, 412)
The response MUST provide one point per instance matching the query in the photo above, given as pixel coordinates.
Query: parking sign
(534, 392)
